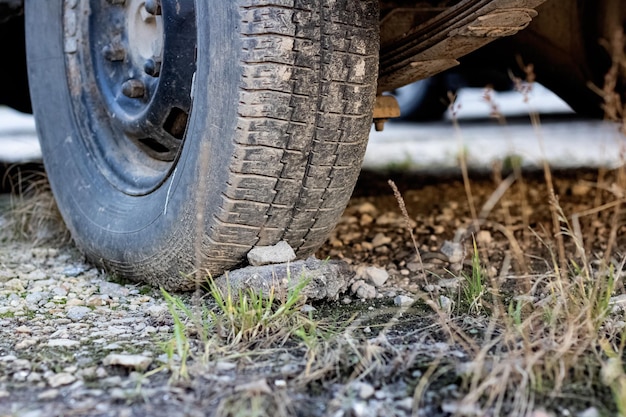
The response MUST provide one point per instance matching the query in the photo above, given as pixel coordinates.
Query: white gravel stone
(15, 284)
(112, 289)
(49, 394)
(367, 208)
(138, 362)
(308, 308)
(589, 412)
(276, 254)
(376, 276)
(365, 390)
(484, 237)
(60, 379)
(445, 303)
(363, 290)
(403, 300)
(63, 343)
(76, 313)
(406, 404)
(454, 251)
(360, 409)
(380, 239)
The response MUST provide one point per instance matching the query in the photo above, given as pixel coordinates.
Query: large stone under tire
(282, 95)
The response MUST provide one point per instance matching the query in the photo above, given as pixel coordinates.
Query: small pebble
(403, 300)
(377, 276)
(60, 379)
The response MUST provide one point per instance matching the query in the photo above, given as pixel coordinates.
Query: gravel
(72, 342)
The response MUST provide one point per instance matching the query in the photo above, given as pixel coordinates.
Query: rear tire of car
(255, 136)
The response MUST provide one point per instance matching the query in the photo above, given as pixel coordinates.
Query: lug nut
(114, 53)
(153, 7)
(152, 67)
(133, 88)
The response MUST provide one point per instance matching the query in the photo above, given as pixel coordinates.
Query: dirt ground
(380, 356)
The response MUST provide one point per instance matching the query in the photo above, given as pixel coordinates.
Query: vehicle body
(178, 135)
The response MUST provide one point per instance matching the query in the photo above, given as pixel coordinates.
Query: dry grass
(560, 332)
(33, 214)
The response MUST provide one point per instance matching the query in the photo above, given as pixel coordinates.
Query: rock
(307, 308)
(113, 290)
(22, 329)
(376, 276)
(460, 408)
(326, 279)
(542, 413)
(367, 208)
(34, 377)
(75, 302)
(484, 237)
(36, 275)
(389, 218)
(25, 344)
(365, 390)
(35, 297)
(362, 290)
(589, 412)
(366, 292)
(414, 266)
(380, 239)
(96, 300)
(366, 219)
(403, 300)
(361, 409)
(6, 275)
(254, 387)
(48, 394)
(277, 254)
(451, 283)
(445, 303)
(580, 189)
(223, 366)
(76, 313)
(21, 365)
(63, 343)
(60, 291)
(60, 379)
(73, 271)
(138, 362)
(454, 251)
(15, 284)
(431, 288)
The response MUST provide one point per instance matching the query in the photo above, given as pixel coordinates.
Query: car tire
(178, 135)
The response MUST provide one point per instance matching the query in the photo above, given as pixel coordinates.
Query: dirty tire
(282, 95)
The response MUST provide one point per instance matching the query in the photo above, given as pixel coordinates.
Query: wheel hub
(143, 54)
(145, 32)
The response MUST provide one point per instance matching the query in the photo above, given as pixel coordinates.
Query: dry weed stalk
(462, 158)
(407, 220)
(553, 330)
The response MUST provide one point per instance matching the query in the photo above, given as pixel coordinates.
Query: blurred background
(431, 134)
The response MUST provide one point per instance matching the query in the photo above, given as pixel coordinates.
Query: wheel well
(13, 76)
